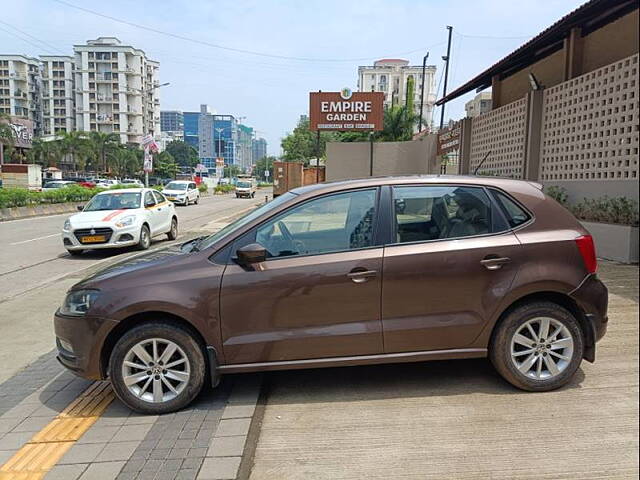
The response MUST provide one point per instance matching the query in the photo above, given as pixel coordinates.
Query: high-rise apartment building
(171, 121)
(244, 147)
(20, 84)
(259, 149)
(390, 77)
(57, 94)
(479, 105)
(116, 90)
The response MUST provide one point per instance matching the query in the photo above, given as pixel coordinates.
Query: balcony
(104, 118)
(106, 98)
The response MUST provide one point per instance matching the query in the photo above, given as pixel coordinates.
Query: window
(159, 197)
(440, 212)
(331, 223)
(149, 200)
(514, 213)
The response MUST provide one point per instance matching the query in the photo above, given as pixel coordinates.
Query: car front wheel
(537, 347)
(157, 368)
(172, 234)
(145, 238)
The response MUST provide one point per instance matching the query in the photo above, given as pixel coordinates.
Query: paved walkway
(459, 419)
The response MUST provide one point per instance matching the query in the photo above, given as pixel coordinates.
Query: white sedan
(182, 192)
(120, 218)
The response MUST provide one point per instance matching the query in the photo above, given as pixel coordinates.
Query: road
(32, 253)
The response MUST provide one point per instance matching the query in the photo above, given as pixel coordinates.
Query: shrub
(224, 188)
(559, 194)
(203, 187)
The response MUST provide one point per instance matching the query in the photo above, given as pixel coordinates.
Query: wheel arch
(561, 299)
(141, 318)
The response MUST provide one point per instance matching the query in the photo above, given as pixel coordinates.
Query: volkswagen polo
(379, 270)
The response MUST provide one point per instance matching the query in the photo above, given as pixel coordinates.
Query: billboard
(22, 131)
(346, 111)
(449, 139)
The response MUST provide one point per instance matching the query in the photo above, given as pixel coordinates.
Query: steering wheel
(296, 244)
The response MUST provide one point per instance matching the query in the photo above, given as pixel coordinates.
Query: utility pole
(424, 66)
(446, 73)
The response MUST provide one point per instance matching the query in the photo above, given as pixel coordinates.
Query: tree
(231, 171)
(7, 140)
(103, 145)
(183, 154)
(45, 153)
(77, 146)
(262, 165)
(165, 166)
(301, 144)
(398, 124)
(410, 94)
(126, 161)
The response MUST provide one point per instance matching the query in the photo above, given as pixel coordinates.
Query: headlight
(79, 302)
(126, 221)
(67, 225)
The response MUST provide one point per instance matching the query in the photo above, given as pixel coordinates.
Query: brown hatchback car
(380, 270)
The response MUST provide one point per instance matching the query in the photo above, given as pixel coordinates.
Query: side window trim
(497, 211)
(150, 194)
(416, 242)
(251, 234)
(503, 210)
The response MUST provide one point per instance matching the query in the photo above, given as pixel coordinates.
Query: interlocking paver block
(238, 411)
(66, 472)
(117, 451)
(219, 468)
(235, 426)
(102, 471)
(131, 433)
(82, 453)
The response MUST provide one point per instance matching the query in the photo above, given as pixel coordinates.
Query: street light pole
(446, 74)
(424, 66)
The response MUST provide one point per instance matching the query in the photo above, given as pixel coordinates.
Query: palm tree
(103, 146)
(398, 124)
(76, 145)
(125, 161)
(7, 140)
(46, 153)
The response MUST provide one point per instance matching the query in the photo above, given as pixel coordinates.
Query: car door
(447, 270)
(193, 192)
(153, 212)
(317, 294)
(163, 210)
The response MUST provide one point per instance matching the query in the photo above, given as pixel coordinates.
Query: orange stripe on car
(112, 215)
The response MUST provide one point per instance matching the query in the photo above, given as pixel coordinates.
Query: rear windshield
(114, 201)
(515, 214)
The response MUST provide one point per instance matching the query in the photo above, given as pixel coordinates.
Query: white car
(120, 218)
(129, 181)
(182, 192)
(105, 182)
(56, 184)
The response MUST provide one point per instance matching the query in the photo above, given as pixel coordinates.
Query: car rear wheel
(145, 238)
(172, 234)
(197, 199)
(537, 347)
(157, 368)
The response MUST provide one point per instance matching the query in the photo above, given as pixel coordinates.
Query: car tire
(145, 238)
(197, 200)
(172, 234)
(75, 253)
(527, 360)
(187, 378)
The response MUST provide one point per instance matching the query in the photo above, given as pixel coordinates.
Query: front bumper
(121, 237)
(592, 297)
(79, 341)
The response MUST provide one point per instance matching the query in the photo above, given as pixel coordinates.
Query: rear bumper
(592, 297)
(79, 341)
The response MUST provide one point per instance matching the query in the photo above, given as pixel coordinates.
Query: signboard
(22, 131)
(346, 111)
(201, 168)
(148, 161)
(449, 139)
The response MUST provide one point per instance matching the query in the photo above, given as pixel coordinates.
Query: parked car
(246, 187)
(358, 272)
(120, 218)
(105, 182)
(182, 192)
(131, 181)
(56, 184)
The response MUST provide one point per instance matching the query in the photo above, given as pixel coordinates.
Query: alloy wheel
(542, 348)
(156, 370)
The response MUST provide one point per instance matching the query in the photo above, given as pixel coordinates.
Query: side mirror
(252, 253)
(80, 207)
(149, 204)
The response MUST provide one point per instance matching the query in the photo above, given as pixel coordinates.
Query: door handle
(361, 276)
(494, 263)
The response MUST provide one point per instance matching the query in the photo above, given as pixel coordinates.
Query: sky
(259, 59)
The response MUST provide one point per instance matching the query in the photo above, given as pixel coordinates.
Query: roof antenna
(481, 162)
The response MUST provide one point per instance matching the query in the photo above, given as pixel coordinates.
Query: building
(167, 137)
(480, 104)
(116, 90)
(244, 147)
(390, 76)
(191, 128)
(565, 106)
(20, 88)
(259, 149)
(171, 121)
(58, 108)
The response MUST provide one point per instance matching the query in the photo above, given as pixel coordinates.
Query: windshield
(243, 184)
(114, 201)
(249, 217)
(176, 186)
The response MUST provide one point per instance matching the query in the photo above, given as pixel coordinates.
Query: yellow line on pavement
(47, 446)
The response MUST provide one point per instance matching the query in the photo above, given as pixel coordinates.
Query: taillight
(588, 252)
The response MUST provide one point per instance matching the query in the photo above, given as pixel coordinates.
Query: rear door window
(515, 214)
